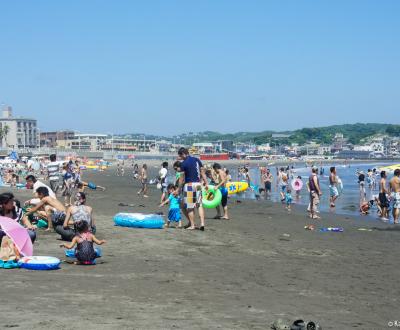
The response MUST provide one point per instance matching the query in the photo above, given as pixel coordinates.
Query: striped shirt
(53, 171)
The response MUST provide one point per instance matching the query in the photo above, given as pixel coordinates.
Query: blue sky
(169, 67)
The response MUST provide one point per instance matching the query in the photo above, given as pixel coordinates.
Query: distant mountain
(353, 132)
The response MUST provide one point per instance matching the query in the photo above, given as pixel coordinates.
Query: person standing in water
(361, 183)
(333, 190)
(383, 198)
(315, 193)
(395, 193)
(266, 179)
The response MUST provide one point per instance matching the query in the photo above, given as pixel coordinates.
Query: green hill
(353, 132)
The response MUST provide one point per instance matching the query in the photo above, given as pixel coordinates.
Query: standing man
(383, 198)
(266, 178)
(190, 181)
(53, 173)
(315, 193)
(333, 191)
(395, 189)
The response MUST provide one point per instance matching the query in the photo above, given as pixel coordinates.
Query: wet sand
(238, 274)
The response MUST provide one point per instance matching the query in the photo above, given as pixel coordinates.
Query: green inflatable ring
(211, 197)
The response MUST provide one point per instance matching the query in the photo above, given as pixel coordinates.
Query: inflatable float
(297, 184)
(211, 197)
(390, 168)
(139, 220)
(236, 187)
(39, 263)
(71, 253)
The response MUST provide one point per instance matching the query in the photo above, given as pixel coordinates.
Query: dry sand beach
(239, 274)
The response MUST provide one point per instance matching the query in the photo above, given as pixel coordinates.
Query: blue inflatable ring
(71, 253)
(139, 220)
(39, 263)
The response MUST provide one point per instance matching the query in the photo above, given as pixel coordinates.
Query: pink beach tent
(18, 234)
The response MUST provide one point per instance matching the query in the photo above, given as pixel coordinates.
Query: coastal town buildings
(17, 132)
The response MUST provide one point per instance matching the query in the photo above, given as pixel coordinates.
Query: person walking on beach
(163, 176)
(383, 197)
(395, 190)
(221, 185)
(53, 173)
(315, 193)
(143, 180)
(192, 174)
(333, 190)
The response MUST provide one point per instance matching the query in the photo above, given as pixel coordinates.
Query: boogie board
(236, 187)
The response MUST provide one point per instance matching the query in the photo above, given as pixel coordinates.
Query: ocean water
(348, 201)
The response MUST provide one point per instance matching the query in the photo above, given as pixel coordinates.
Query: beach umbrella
(297, 184)
(18, 234)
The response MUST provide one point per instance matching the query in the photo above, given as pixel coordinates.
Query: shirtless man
(333, 191)
(283, 181)
(55, 211)
(395, 190)
(382, 197)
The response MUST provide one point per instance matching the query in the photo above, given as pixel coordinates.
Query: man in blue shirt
(191, 180)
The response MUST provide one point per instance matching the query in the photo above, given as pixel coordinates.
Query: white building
(324, 150)
(264, 148)
(17, 132)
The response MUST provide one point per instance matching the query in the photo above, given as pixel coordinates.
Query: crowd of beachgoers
(59, 204)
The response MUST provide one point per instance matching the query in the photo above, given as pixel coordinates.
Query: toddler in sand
(84, 240)
(174, 201)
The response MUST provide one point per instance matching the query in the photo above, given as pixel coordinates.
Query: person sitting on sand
(84, 239)
(77, 212)
(9, 209)
(174, 201)
(55, 211)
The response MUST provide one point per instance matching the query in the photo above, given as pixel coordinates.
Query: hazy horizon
(167, 68)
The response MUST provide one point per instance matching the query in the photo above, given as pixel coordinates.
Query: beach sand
(238, 274)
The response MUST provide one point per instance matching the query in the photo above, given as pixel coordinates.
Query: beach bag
(8, 250)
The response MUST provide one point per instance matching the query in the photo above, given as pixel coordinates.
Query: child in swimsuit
(84, 240)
